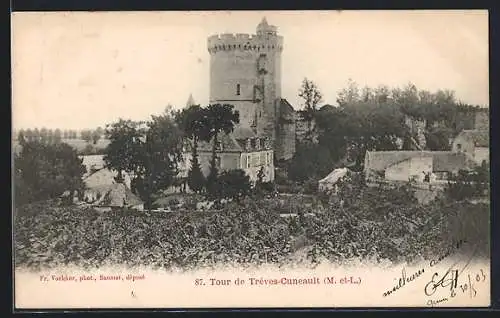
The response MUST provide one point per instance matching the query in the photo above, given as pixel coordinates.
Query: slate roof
(286, 109)
(441, 160)
(230, 142)
(481, 138)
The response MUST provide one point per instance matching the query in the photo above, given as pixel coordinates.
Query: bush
(46, 171)
(233, 184)
(469, 184)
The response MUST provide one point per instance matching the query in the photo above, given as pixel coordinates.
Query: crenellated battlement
(244, 42)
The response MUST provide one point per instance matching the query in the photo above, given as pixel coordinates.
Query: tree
(21, 136)
(149, 152)
(86, 135)
(44, 134)
(57, 135)
(350, 95)
(469, 184)
(125, 146)
(192, 122)
(46, 171)
(233, 184)
(36, 134)
(311, 95)
(438, 139)
(196, 180)
(50, 136)
(95, 135)
(28, 135)
(219, 118)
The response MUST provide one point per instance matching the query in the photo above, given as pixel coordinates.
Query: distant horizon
(163, 59)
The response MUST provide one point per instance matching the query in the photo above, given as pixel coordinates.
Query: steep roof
(286, 109)
(441, 160)
(230, 142)
(481, 138)
(327, 107)
(118, 195)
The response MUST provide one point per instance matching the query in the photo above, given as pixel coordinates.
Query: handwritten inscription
(450, 251)
(433, 303)
(403, 280)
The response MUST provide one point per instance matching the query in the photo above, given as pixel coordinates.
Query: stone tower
(245, 71)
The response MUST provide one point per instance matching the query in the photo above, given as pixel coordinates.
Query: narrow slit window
(238, 89)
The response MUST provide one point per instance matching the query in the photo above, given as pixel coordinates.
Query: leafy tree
(46, 171)
(310, 161)
(44, 134)
(36, 134)
(28, 135)
(50, 136)
(21, 136)
(149, 152)
(311, 95)
(57, 135)
(192, 122)
(125, 146)
(219, 118)
(95, 135)
(350, 95)
(233, 184)
(86, 135)
(438, 139)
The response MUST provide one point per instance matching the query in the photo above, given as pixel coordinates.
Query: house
(97, 174)
(474, 143)
(101, 189)
(115, 196)
(241, 149)
(407, 165)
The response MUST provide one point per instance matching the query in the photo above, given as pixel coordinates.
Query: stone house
(474, 143)
(241, 149)
(408, 165)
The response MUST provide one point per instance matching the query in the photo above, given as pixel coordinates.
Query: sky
(77, 70)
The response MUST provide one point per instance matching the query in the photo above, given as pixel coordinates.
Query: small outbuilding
(329, 182)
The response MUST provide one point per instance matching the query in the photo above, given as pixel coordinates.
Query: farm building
(474, 143)
(406, 165)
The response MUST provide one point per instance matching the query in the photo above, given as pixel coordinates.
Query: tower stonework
(245, 71)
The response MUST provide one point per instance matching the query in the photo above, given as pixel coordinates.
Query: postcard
(241, 159)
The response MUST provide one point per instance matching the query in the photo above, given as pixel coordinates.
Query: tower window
(238, 89)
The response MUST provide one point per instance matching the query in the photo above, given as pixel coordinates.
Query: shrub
(469, 184)
(46, 171)
(233, 184)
